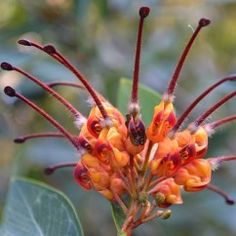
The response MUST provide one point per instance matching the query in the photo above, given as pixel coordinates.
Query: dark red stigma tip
(9, 91)
(6, 66)
(230, 201)
(204, 22)
(144, 12)
(48, 171)
(24, 42)
(50, 49)
(19, 140)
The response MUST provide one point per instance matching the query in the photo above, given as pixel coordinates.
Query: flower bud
(122, 158)
(194, 176)
(107, 194)
(136, 131)
(103, 151)
(90, 161)
(115, 138)
(117, 185)
(167, 193)
(160, 198)
(100, 179)
(166, 214)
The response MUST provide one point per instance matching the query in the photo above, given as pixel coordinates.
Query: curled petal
(184, 138)
(100, 179)
(103, 151)
(169, 165)
(201, 142)
(194, 176)
(117, 185)
(119, 122)
(90, 161)
(82, 177)
(163, 120)
(94, 127)
(107, 194)
(166, 147)
(86, 133)
(188, 153)
(166, 158)
(122, 158)
(116, 139)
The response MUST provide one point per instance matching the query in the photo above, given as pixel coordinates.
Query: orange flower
(119, 157)
(163, 120)
(195, 176)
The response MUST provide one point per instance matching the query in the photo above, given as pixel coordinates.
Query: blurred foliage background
(99, 37)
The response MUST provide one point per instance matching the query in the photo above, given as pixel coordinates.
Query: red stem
(54, 84)
(225, 158)
(220, 122)
(208, 112)
(24, 138)
(219, 191)
(51, 50)
(12, 93)
(198, 99)
(202, 23)
(70, 107)
(50, 170)
(143, 13)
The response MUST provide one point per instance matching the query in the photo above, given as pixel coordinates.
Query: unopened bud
(160, 198)
(143, 197)
(166, 214)
(137, 131)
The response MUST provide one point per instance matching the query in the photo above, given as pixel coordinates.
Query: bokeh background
(99, 37)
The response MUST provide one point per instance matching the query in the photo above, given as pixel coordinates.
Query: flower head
(119, 157)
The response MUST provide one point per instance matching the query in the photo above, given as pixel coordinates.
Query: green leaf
(36, 209)
(148, 98)
(118, 217)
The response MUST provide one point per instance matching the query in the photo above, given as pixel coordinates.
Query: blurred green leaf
(118, 217)
(36, 209)
(148, 98)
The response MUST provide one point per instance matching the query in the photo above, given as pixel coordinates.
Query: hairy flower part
(141, 169)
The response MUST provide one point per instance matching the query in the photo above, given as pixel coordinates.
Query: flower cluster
(142, 169)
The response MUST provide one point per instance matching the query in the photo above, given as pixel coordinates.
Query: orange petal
(194, 176)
